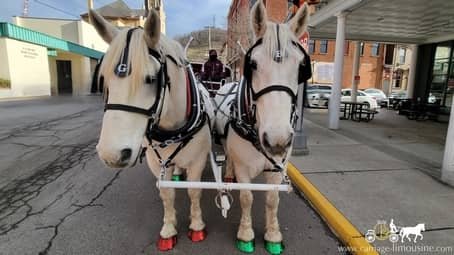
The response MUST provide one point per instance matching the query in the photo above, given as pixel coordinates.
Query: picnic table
(357, 111)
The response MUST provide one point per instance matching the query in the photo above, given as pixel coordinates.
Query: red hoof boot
(197, 236)
(229, 179)
(167, 244)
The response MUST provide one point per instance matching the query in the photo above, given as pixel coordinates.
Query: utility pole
(90, 4)
(209, 37)
(25, 9)
(145, 4)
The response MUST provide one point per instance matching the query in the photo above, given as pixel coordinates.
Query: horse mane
(286, 36)
(138, 56)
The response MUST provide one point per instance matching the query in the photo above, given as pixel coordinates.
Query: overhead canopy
(52, 43)
(396, 21)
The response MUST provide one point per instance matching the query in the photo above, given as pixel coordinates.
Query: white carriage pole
(187, 46)
(300, 138)
(223, 186)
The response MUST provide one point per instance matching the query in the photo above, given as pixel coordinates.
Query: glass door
(440, 74)
(450, 86)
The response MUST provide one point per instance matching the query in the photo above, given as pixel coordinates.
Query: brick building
(371, 63)
(321, 51)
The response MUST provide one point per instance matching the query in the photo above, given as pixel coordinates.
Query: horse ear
(106, 30)
(152, 29)
(258, 19)
(298, 23)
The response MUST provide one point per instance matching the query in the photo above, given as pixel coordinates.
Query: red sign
(357, 78)
(304, 40)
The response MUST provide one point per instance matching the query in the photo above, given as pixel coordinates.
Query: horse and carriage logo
(384, 231)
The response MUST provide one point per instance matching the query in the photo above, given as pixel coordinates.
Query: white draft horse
(152, 100)
(260, 129)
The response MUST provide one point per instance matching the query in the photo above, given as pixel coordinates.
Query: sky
(183, 16)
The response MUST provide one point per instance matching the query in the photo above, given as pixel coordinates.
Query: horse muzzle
(277, 147)
(116, 159)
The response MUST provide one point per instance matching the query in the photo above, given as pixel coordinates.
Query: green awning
(27, 35)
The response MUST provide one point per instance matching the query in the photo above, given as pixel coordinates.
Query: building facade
(39, 64)
(321, 51)
(62, 53)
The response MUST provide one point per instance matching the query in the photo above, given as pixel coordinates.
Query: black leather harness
(197, 117)
(243, 113)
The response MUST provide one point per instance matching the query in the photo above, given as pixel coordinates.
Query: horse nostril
(125, 154)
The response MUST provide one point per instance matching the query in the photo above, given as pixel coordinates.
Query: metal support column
(447, 171)
(355, 73)
(300, 138)
(412, 74)
(334, 101)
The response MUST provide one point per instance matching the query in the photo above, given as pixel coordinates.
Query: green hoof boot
(274, 248)
(246, 247)
(178, 177)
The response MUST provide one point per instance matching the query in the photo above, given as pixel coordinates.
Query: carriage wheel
(394, 238)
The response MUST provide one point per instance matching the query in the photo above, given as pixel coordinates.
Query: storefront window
(442, 86)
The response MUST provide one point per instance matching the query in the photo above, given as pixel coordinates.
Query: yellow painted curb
(342, 227)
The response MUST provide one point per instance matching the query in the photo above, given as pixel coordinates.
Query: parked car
(360, 97)
(318, 95)
(396, 97)
(379, 95)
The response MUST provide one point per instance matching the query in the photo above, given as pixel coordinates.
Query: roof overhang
(393, 21)
(51, 43)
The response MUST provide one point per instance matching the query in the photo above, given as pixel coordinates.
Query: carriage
(167, 117)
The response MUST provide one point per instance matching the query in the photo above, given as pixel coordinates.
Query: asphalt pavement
(56, 197)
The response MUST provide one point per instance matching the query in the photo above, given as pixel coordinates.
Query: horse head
(272, 67)
(135, 76)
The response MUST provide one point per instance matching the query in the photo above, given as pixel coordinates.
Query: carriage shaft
(223, 186)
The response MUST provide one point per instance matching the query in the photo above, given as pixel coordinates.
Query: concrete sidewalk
(383, 170)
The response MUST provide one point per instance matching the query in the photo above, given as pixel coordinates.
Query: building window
(375, 50)
(311, 46)
(362, 49)
(346, 48)
(402, 55)
(323, 46)
(389, 54)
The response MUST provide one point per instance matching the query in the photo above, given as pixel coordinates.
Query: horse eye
(253, 65)
(148, 79)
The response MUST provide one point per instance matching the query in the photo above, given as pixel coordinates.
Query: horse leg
(197, 231)
(178, 174)
(273, 235)
(168, 233)
(245, 235)
(229, 175)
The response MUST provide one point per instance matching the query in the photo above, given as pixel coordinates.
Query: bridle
(196, 112)
(123, 69)
(244, 120)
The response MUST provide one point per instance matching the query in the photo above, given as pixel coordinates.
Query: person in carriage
(213, 73)
(213, 69)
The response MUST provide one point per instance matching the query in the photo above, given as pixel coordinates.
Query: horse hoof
(230, 179)
(274, 248)
(167, 244)
(197, 236)
(247, 247)
(178, 177)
